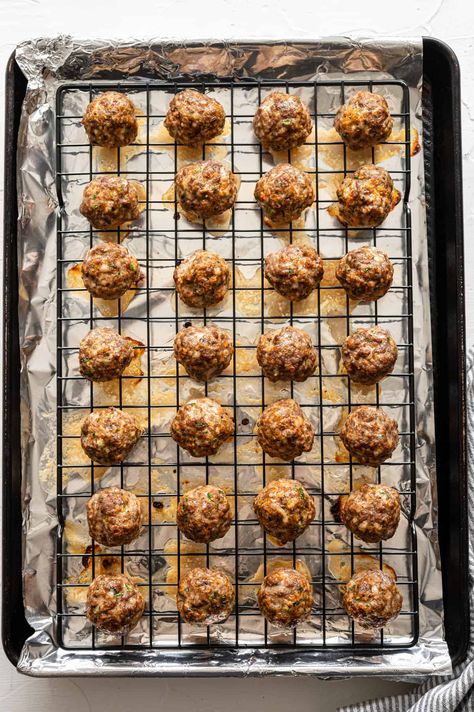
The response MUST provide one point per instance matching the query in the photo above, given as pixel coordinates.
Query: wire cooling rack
(159, 240)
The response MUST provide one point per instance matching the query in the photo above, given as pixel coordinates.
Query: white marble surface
(450, 20)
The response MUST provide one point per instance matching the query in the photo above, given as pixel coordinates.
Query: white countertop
(449, 20)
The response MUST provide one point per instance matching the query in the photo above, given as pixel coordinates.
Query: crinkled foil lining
(49, 63)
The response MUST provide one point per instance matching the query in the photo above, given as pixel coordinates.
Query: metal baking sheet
(320, 649)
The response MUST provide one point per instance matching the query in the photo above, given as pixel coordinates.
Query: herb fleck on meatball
(365, 198)
(203, 514)
(110, 201)
(109, 270)
(284, 431)
(114, 603)
(365, 273)
(283, 193)
(114, 516)
(369, 354)
(194, 118)
(372, 598)
(202, 279)
(104, 354)
(201, 427)
(370, 435)
(284, 509)
(205, 596)
(285, 598)
(109, 434)
(205, 189)
(294, 271)
(286, 354)
(371, 512)
(364, 120)
(282, 122)
(110, 120)
(204, 351)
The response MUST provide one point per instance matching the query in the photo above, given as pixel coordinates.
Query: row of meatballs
(284, 509)
(205, 189)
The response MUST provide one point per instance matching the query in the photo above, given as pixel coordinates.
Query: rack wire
(161, 239)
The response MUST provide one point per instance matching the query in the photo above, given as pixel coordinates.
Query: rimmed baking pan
(441, 139)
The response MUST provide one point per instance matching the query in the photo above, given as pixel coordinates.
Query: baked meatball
(372, 598)
(114, 516)
(369, 354)
(284, 431)
(294, 271)
(108, 435)
(204, 351)
(366, 197)
(285, 598)
(371, 512)
(205, 189)
(109, 270)
(201, 427)
(370, 435)
(204, 514)
(202, 279)
(282, 122)
(284, 509)
(104, 354)
(194, 118)
(110, 120)
(365, 273)
(114, 603)
(205, 596)
(364, 120)
(283, 193)
(286, 354)
(110, 201)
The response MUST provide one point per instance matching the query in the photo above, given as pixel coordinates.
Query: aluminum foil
(48, 65)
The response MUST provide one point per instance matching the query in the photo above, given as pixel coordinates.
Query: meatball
(202, 279)
(365, 273)
(284, 509)
(364, 120)
(294, 271)
(204, 514)
(372, 598)
(201, 427)
(284, 431)
(370, 435)
(110, 120)
(104, 354)
(371, 512)
(366, 197)
(282, 122)
(369, 354)
(204, 351)
(114, 516)
(285, 597)
(205, 189)
(114, 603)
(110, 201)
(284, 193)
(108, 435)
(286, 354)
(205, 596)
(194, 118)
(109, 270)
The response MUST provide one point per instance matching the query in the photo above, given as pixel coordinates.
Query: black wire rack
(328, 627)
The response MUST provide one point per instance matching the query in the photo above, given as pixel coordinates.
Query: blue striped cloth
(447, 693)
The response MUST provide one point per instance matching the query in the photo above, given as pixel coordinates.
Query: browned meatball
(369, 354)
(201, 427)
(205, 596)
(204, 351)
(282, 122)
(364, 120)
(294, 271)
(205, 189)
(110, 201)
(372, 598)
(114, 516)
(204, 514)
(109, 270)
(114, 603)
(286, 354)
(283, 193)
(285, 598)
(284, 509)
(365, 273)
(366, 197)
(108, 435)
(202, 279)
(104, 354)
(283, 430)
(110, 120)
(370, 435)
(194, 118)
(371, 512)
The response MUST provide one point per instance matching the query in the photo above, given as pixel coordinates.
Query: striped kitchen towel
(447, 693)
